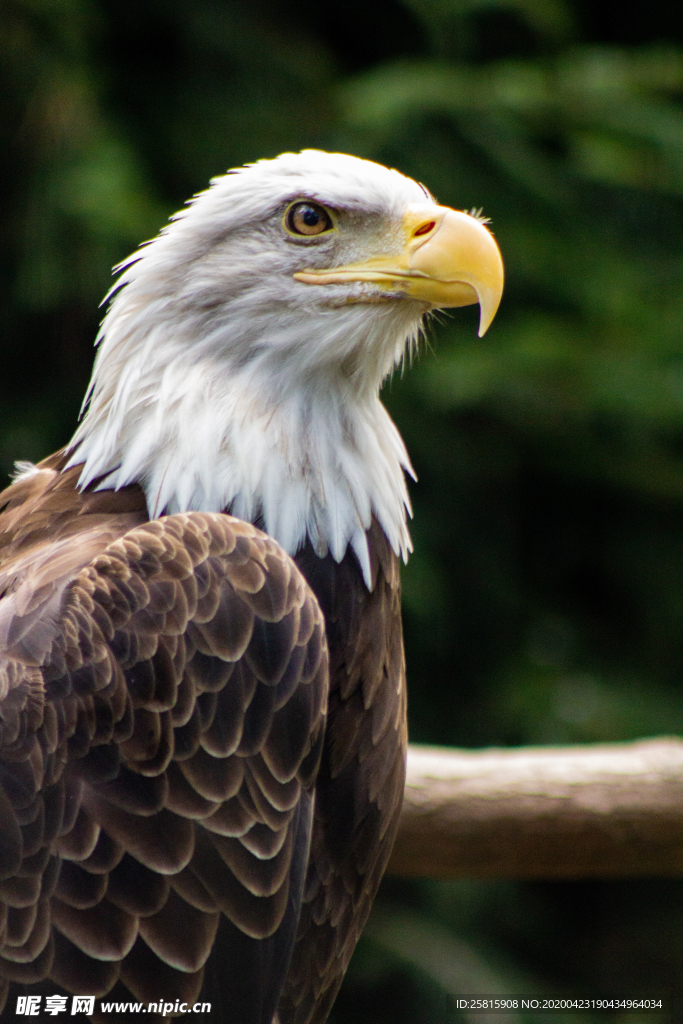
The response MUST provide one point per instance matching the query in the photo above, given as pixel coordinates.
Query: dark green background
(544, 601)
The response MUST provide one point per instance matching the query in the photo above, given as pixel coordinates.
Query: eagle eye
(307, 218)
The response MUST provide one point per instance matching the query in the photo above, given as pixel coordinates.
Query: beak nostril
(424, 229)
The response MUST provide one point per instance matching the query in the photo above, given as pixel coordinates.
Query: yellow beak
(449, 259)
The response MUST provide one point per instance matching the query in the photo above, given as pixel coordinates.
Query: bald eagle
(202, 687)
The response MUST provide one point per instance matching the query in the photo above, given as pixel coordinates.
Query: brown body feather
(163, 702)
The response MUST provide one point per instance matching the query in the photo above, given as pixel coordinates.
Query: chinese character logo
(28, 1006)
(55, 1005)
(82, 1004)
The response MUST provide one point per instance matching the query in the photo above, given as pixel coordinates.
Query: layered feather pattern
(157, 764)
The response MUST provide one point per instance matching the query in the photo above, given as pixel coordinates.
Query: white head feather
(222, 383)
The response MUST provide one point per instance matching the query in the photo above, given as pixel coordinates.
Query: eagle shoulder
(359, 789)
(160, 740)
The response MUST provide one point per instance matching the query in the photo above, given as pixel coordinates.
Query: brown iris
(306, 218)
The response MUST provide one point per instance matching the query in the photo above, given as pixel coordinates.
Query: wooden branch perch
(606, 810)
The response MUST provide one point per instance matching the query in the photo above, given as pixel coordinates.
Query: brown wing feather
(162, 707)
(360, 784)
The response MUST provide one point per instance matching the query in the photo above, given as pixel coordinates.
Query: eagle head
(243, 350)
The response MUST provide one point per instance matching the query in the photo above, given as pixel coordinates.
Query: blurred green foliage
(544, 601)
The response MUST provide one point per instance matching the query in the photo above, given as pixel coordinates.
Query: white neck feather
(198, 431)
(253, 405)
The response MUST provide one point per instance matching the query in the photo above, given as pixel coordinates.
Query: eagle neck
(314, 461)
